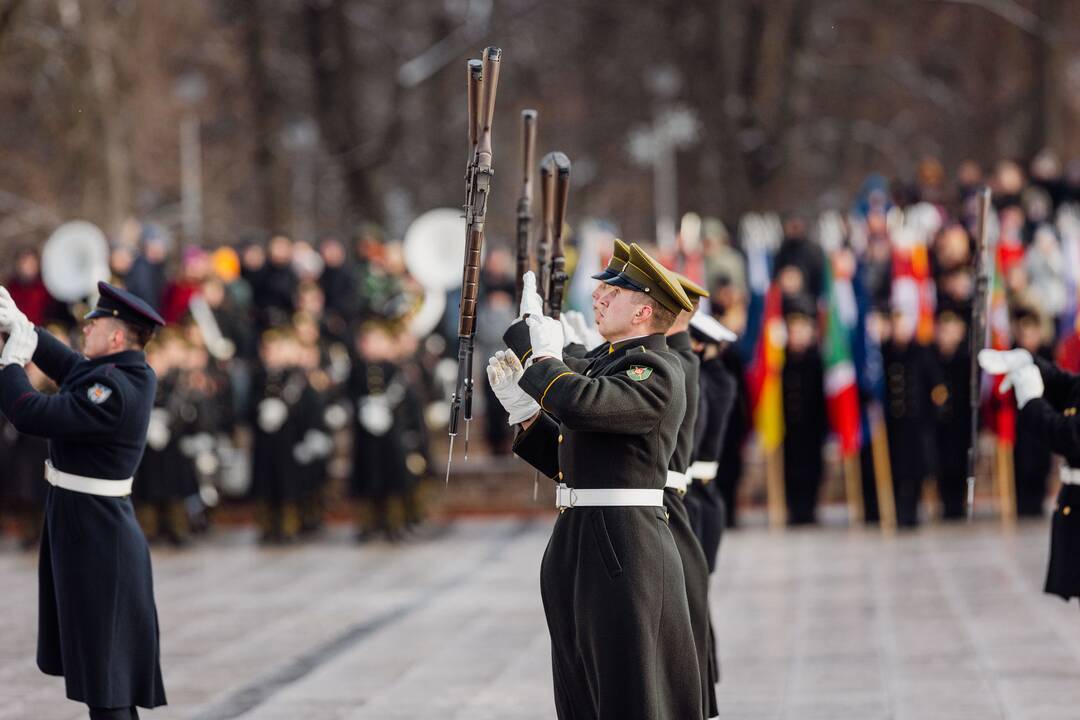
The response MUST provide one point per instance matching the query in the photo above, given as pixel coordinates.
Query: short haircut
(137, 335)
(662, 318)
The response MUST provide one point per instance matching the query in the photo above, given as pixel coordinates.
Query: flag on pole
(841, 391)
(765, 374)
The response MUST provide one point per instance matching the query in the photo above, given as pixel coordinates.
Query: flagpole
(853, 489)
(774, 487)
(1006, 481)
(883, 480)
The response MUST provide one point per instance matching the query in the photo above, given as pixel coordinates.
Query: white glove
(545, 337)
(590, 337)
(1002, 362)
(531, 302)
(503, 371)
(20, 346)
(1027, 384)
(570, 334)
(10, 315)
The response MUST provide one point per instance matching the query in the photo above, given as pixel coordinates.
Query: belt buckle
(564, 490)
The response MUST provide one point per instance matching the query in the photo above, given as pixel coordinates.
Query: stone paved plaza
(826, 624)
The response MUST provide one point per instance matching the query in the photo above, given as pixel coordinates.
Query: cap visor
(96, 313)
(625, 282)
(710, 329)
(604, 275)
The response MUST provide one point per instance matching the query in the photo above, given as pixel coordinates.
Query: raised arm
(92, 410)
(1058, 383)
(630, 399)
(1060, 433)
(54, 357)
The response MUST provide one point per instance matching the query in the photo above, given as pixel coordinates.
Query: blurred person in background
(274, 283)
(1044, 267)
(28, 291)
(338, 283)
(282, 414)
(953, 436)
(194, 268)
(382, 479)
(722, 259)
(1032, 459)
(148, 274)
(914, 393)
(798, 252)
(167, 475)
(805, 419)
(313, 452)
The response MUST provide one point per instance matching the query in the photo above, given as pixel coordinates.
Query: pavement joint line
(262, 689)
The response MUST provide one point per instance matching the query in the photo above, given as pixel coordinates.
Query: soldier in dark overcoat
(97, 623)
(953, 436)
(611, 578)
(381, 478)
(805, 417)
(1048, 398)
(283, 409)
(717, 398)
(914, 394)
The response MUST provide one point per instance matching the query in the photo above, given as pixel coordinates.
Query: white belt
(677, 480)
(568, 497)
(703, 470)
(90, 486)
(1070, 476)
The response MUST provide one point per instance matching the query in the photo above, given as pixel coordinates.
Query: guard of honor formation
(630, 430)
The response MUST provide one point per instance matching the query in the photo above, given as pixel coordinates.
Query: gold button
(560, 475)
(560, 438)
(1066, 510)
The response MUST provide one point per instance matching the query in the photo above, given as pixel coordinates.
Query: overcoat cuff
(541, 377)
(518, 340)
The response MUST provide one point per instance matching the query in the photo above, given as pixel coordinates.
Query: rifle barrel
(524, 210)
(558, 218)
(977, 335)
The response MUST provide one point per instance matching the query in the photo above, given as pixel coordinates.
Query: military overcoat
(97, 624)
(1054, 417)
(611, 578)
(695, 565)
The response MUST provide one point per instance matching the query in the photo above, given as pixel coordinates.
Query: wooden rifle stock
(558, 219)
(524, 208)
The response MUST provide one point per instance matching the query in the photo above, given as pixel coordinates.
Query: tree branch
(1008, 10)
